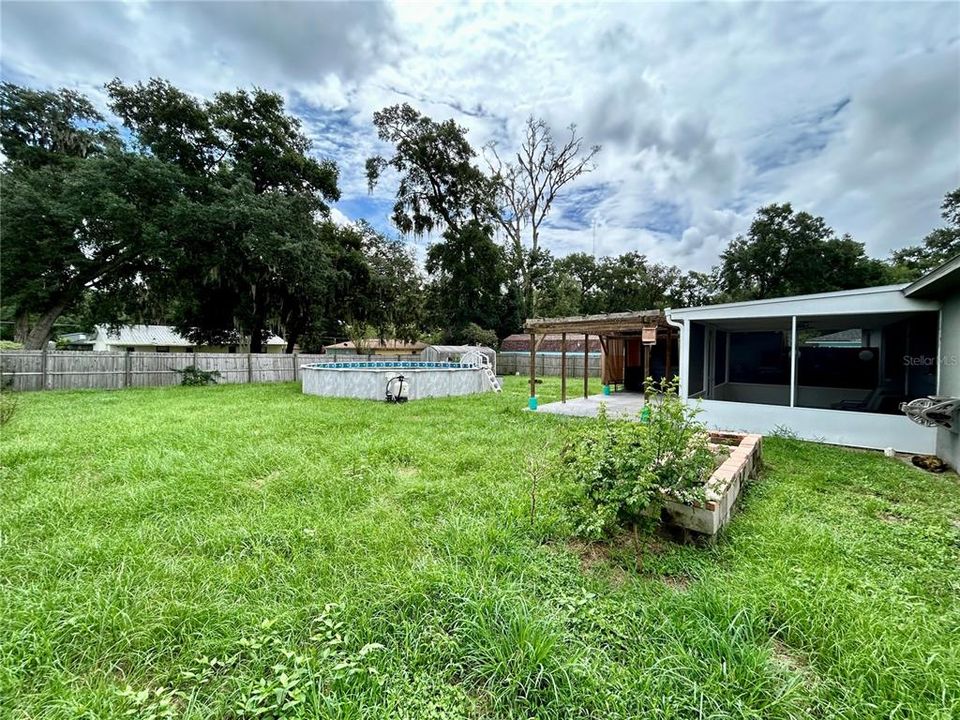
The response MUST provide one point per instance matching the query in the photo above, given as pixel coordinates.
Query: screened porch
(832, 367)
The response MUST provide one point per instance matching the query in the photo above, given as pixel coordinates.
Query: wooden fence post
(296, 365)
(127, 369)
(249, 367)
(43, 369)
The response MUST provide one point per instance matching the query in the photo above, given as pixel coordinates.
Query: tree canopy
(794, 253)
(936, 248)
(214, 215)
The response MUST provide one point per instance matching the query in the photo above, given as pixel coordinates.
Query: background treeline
(214, 216)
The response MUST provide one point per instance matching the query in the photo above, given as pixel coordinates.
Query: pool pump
(397, 389)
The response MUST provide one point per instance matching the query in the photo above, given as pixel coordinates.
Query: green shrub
(619, 470)
(10, 345)
(193, 376)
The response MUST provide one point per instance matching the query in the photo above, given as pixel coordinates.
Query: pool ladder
(491, 378)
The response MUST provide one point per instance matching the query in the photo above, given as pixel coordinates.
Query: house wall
(948, 443)
(835, 427)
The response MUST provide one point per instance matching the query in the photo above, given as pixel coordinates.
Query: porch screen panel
(757, 368)
(865, 363)
(720, 358)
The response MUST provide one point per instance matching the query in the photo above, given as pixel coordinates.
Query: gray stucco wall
(948, 443)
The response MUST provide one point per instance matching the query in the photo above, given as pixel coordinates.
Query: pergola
(614, 330)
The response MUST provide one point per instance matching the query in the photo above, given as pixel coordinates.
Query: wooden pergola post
(563, 367)
(647, 371)
(533, 367)
(586, 365)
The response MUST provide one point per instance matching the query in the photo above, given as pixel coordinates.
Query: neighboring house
(377, 347)
(844, 338)
(832, 367)
(152, 338)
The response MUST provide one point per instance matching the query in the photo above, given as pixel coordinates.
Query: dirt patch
(892, 518)
(617, 558)
(793, 661)
(679, 583)
(728, 439)
(407, 471)
(591, 554)
(784, 655)
(259, 482)
(595, 557)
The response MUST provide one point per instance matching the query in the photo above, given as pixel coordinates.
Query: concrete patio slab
(621, 404)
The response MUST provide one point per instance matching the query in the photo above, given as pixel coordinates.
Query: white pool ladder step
(492, 378)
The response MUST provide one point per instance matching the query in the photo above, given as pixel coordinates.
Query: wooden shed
(633, 346)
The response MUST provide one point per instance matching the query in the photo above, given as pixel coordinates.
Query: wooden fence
(71, 370)
(67, 370)
(548, 364)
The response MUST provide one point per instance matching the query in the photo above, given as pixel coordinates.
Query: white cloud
(340, 218)
(705, 112)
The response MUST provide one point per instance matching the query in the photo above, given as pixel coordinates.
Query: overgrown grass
(232, 550)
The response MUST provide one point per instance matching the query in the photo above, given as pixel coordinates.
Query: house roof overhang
(604, 324)
(862, 301)
(939, 283)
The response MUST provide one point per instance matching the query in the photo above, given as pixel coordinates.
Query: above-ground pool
(369, 380)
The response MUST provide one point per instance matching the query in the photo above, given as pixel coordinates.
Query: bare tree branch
(528, 186)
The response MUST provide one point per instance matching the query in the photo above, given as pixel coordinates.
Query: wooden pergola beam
(611, 328)
(598, 324)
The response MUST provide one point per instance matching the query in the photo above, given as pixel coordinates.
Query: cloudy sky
(704, 112)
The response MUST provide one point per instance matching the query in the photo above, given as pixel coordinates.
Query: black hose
(399, 398)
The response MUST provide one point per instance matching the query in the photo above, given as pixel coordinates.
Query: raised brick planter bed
(723, 487)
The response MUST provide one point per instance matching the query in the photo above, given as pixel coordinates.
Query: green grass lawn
(235, 550)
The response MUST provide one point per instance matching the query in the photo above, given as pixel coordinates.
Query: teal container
(533, 402)
(606, 389)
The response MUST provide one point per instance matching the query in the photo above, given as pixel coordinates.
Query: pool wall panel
(371, 383)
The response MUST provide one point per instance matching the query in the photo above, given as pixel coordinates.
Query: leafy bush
(194, 376)
(10, 345)
(620, 470)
